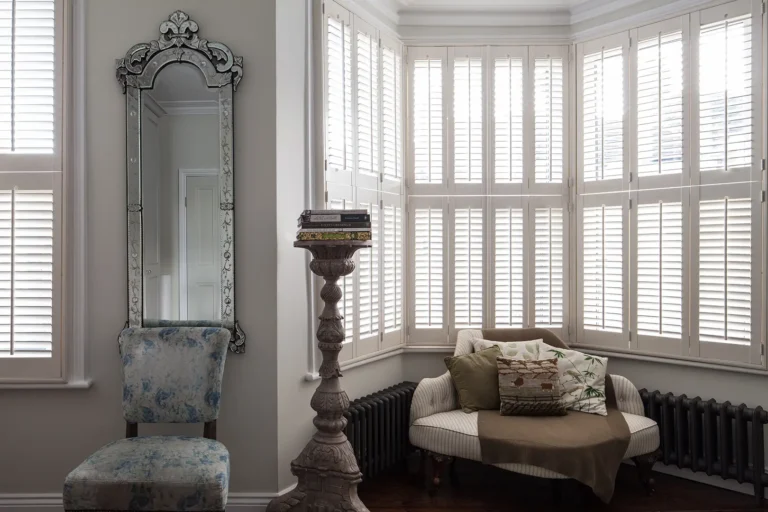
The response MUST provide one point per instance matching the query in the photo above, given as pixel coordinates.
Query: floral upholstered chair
(170, 375)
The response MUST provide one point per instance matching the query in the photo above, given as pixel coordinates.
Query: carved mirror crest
(180, 177)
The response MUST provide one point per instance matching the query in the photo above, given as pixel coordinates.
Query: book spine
(338, 217)
(334, 230)
(315, 225)
(361, 236)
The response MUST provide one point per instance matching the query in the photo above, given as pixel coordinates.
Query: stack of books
(334, 225)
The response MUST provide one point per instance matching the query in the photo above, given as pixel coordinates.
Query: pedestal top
(308, 244)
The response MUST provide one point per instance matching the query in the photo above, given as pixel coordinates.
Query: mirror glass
(180, 196)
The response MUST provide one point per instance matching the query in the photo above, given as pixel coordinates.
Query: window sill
(73, 384)
(430, 349)
(360, 361)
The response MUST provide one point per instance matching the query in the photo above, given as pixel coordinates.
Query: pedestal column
(326, 468)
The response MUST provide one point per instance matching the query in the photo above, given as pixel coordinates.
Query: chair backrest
(172, 374)
(465, 337)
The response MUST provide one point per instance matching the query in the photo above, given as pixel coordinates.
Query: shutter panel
(468, 267)
(367, 85)
(391, 112)
(548, 255)
(659, 263)
(428, 121)
(549, 120)
(602, 268)
(27, 76)
(393, 268)
(468, 120)
(428, 268)
(603, 114)
(660, 105)
(725, 271)
(725, 94)
(26, 273)
(508, 120)
(347, 303)
(338, 129)
(369, 279)
(508, 278)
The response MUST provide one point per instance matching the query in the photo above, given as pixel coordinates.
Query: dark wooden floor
(488, 489)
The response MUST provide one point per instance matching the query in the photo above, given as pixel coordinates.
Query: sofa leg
(438, 464)
(454, 474)
(644, 465)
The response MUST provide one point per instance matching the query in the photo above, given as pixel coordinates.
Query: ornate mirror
(180, 172)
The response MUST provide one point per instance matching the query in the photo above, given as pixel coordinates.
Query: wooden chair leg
(644, 465)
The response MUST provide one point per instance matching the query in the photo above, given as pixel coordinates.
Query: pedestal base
(328, 477)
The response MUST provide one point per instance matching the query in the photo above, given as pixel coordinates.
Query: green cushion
(476, 378)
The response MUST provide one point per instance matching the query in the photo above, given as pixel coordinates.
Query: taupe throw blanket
(585, 447)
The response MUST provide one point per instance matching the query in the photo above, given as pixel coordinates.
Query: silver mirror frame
(179, 42)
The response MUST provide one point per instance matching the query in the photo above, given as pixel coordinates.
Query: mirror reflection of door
(180, 160)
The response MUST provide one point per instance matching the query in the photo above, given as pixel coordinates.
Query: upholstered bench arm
(433, 396)
(627, 397)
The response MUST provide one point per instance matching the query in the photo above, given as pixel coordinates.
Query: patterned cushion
(529, 388)
(454, 433)
(528, 350)
(582, 379)
(151, 473)
(172, 374)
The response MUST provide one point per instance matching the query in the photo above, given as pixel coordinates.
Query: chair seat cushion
(151, 473)
(454, 433)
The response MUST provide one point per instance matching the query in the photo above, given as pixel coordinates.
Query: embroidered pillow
(528, 350)
(529, 388)
(582, 379)
(476, 379)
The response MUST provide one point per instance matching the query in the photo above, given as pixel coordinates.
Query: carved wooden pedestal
(326, 468)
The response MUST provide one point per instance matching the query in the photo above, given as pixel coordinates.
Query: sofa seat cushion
(454, 433)
(155, 473)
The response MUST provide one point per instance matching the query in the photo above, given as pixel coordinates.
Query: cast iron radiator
(719, 439)
(377, 428)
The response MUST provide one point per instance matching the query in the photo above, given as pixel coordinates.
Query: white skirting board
(51, 502)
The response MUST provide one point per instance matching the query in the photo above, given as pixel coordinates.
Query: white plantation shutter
(367, 87)
(368, 294)
(27, 76)
(659, 262)
(428, 268)
(391, 112)
(508, 119)
(549, 120)
(393, 268)
(427, 119)
(726, 110)
(660, 104)
(468, 256)
(468, 120)
(603, 114)
(725, 271)
(338, 125)
(508, 279)
(548, 267)
(602, 270)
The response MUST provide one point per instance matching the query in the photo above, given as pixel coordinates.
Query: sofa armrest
(627, 396)
(433, 396)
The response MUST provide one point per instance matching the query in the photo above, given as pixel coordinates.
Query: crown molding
(596, 8)
(491, 18)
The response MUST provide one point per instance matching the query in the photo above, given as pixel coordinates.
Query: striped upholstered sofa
(441, 429)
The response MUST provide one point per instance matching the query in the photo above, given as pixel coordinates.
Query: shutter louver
(393, 268)
(725, 95)
(660, 269)
(548, 253)
(369, 279)
(603, 111)
(725, 271)
(468, 120)
(508, 264)
(26, 273)
(660, 105)
(428, 268)
(347, 303)
(428, 121)
(508, 120)
(338, 130)
(468, 267)
(602, 272)
(548, 120)
(367, 104)
(391, 113)
(27, 76)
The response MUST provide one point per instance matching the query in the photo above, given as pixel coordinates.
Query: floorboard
(488, 489)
